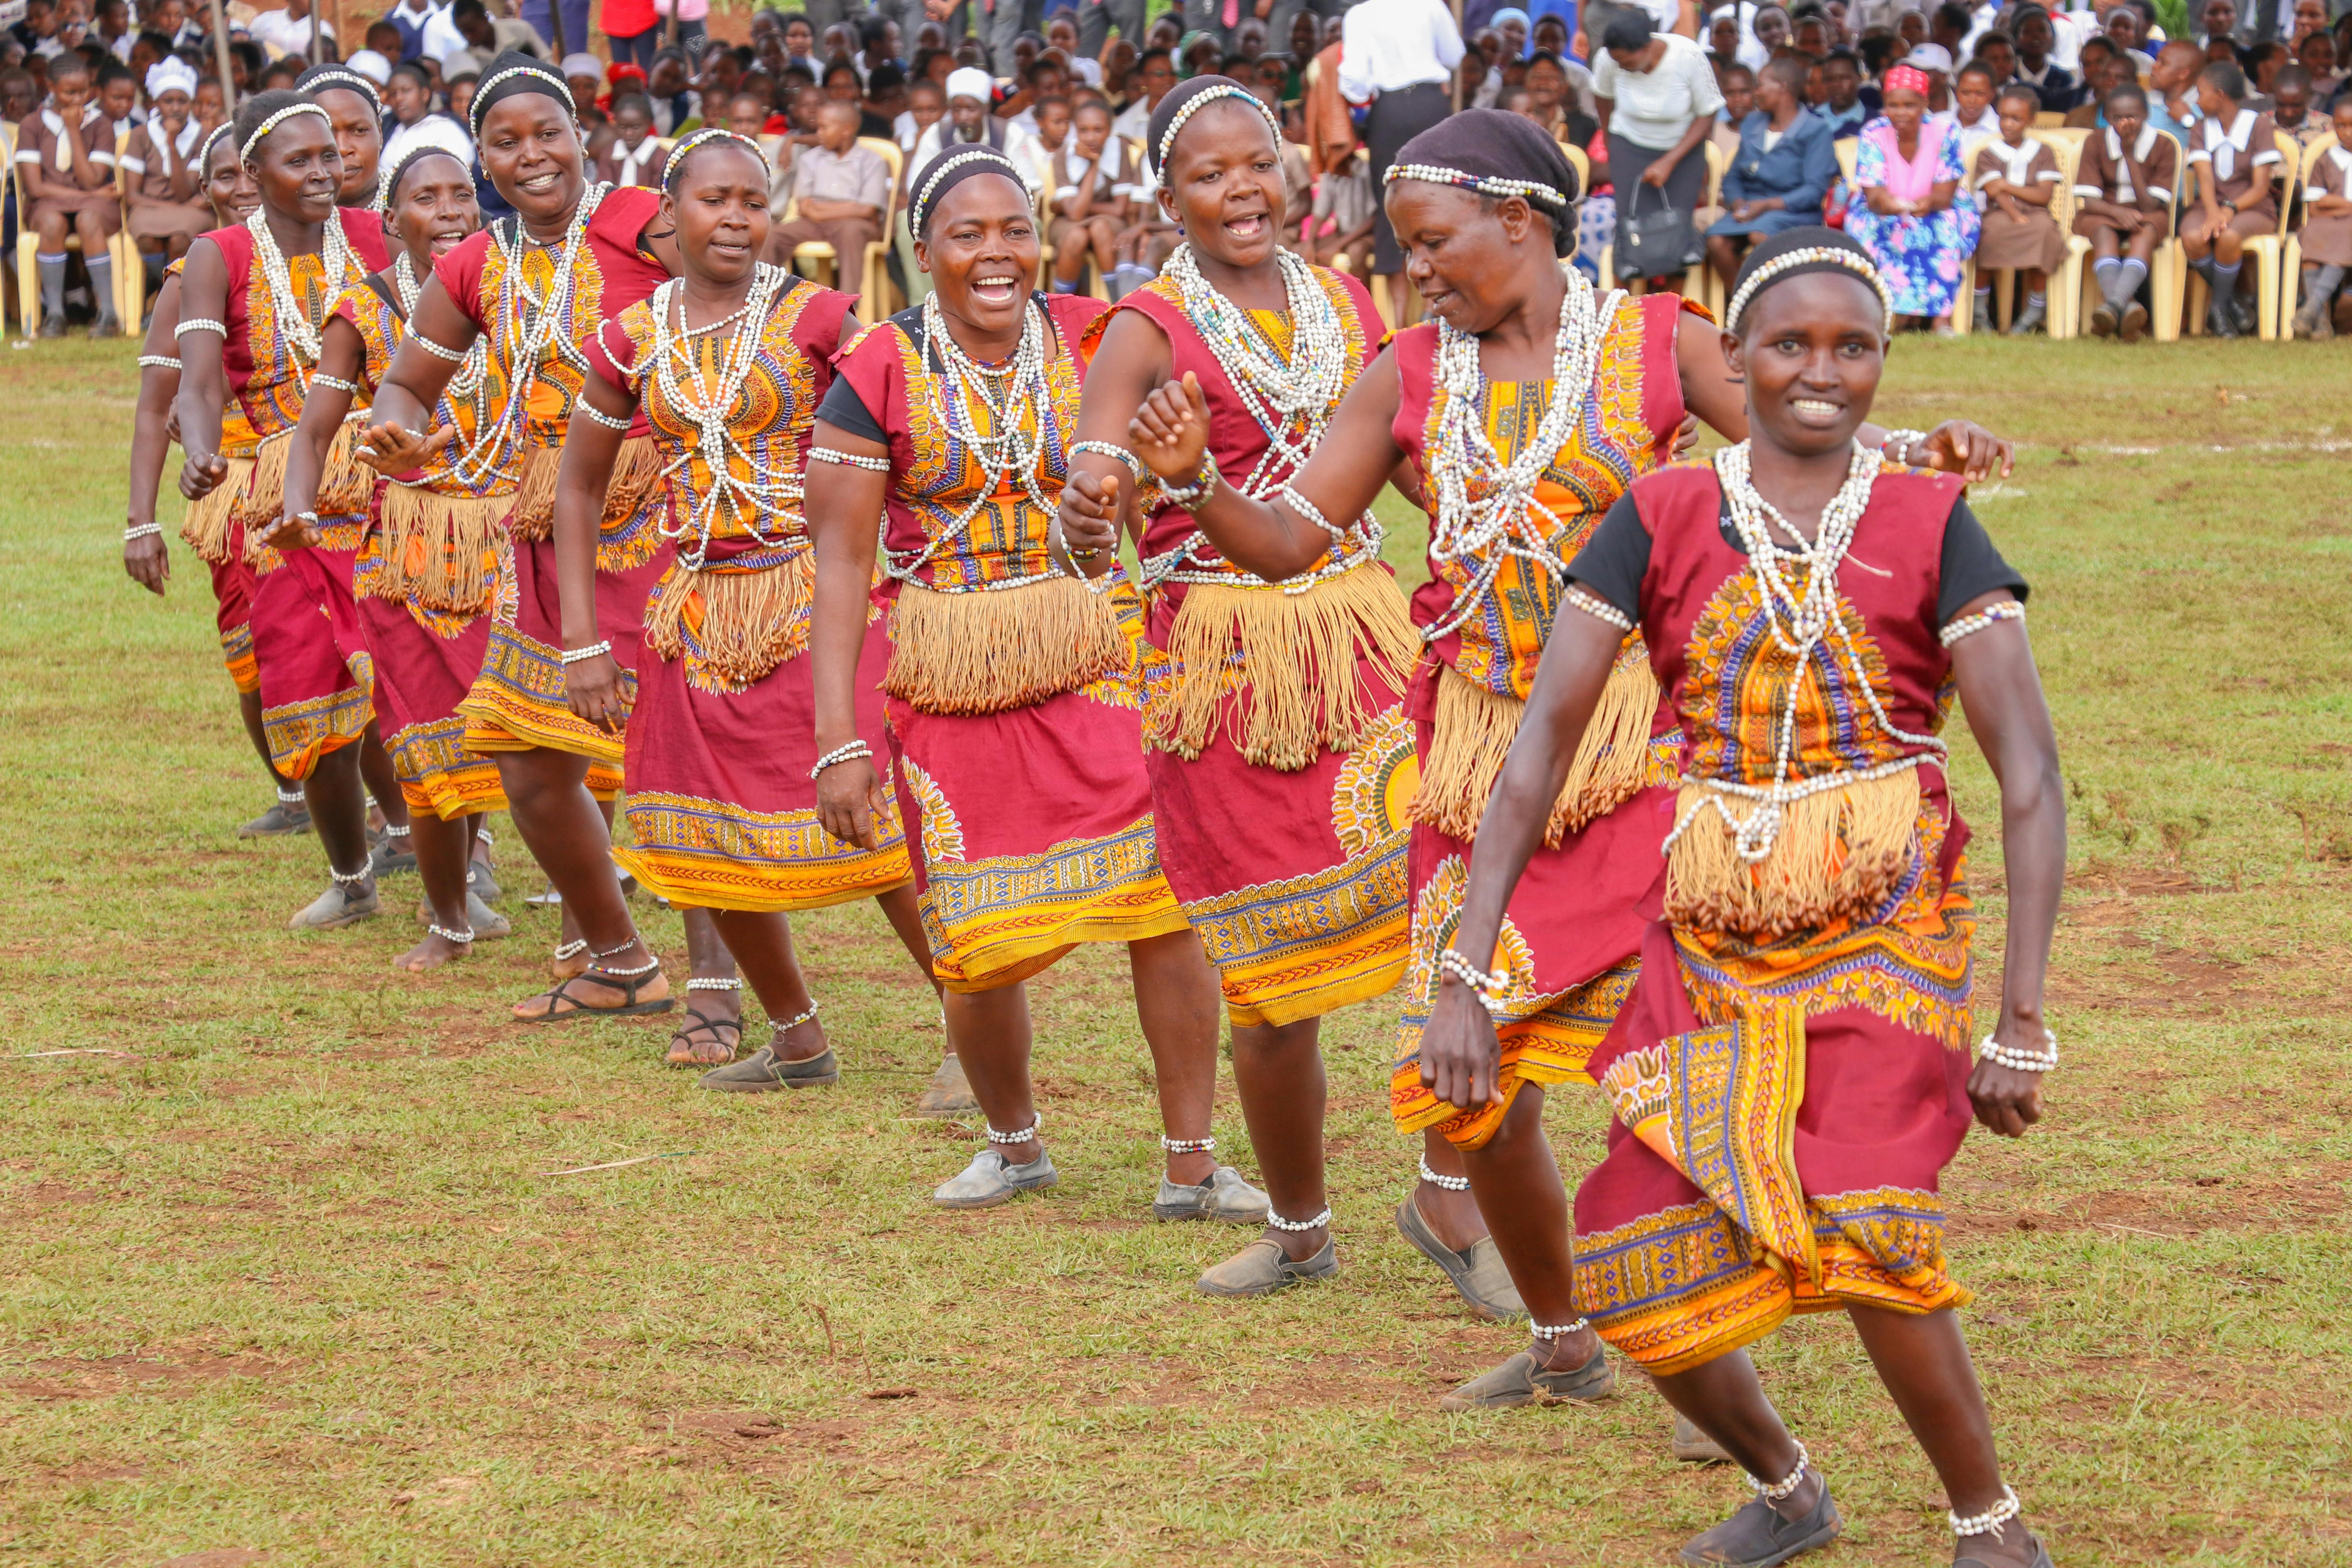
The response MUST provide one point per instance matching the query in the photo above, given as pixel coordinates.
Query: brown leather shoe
(1262, 1268)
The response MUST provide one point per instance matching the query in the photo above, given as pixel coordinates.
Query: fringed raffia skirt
(1030, 813)
(1279, 784)
(722, 812)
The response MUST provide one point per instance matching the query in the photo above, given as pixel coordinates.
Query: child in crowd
(2016, 177)
(2294, 110)
(634, 154)
(844, 192)
(2124, 190)
(2234, 151)
(1972, 112)
(927, 105)
(2327, 233)
(1342, 222)
(168, 210)
(1841, 81)
(1093, 183)
(64, 156)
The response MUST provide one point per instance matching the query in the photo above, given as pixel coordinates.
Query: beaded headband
(1484, 185)
(918, 211)
(343, 79)
(703, 138)
(1779, 267)
(212, 140)
(245, 152)
(481, 103)
(451, 145)
(1213, 95)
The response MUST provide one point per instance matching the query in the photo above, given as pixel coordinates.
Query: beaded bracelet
(142, 531)
(1187, 1145)
(1780, 1490)
(1203, 485)
(158, 362)
(596, 416)
(849, 459)
(1992, 1519)
(1451, 1184)
(714, 983)
(460, 937)
(1120, 455)
(1902, 441)
(1452, 963)
(337, 382)
(2043, 1061)
(849, 752)
(455, 356)
(1968, 626)
(200, 324)
(576, 655)
(1599, 608)
(1559, 1330)
(1317, 1223)
(1036, 1120)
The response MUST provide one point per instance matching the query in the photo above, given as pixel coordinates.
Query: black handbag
(1654, 243)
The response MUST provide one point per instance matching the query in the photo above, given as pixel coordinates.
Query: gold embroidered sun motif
(1376, 783)
(943, 832)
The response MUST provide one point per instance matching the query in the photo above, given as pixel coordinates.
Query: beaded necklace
(1292, 400)
(1800, 623)
(537, 339)
(1005, 452)
(468, 383)
(1509, 521)
(291, 311)
(710, 407)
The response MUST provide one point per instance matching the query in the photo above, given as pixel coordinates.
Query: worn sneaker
(336, 908)
(1224, 1197)
(948, 1094)
(2036, 313)
(392, 854)
(2105, 319)
(2134, 323)
(1522, 1380)
(1692, 1447)
(991, 1179)
(486, 922)
(481, 882)
(281, 820)
(1478, 1272)
(108, 325)
(1759, 1536)
(760, 1071)
(1262, 1268)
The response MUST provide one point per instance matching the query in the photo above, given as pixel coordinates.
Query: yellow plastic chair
(130, 266)
(2166, 268)
(2291, 262)
(874, 285)
(2266, 250)
(2058, 292)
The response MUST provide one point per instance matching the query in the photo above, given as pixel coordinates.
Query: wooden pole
(220, 52)
(555, 27)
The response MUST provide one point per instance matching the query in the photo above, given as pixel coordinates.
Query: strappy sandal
(563, 1004)
(684, 1050)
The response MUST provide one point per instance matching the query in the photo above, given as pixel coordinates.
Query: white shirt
(1389, 46)
(401, 135)
(1134, 121)
(2221, 147)
(278, 31)
(1119, 174)
(1654, 107)
(1975, 135)
(441, 34)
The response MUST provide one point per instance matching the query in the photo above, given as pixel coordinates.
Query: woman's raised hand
(389, 449)
(1170, 431)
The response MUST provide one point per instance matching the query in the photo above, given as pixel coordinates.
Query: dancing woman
(728, 362)
(535, 286)
(1016, 747)
(260, 291)
(1792, 1074)
(1279, 754)
(423, 577)
(1526, 408)
(229, 189)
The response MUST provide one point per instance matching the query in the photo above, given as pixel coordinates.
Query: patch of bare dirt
(66, 1378)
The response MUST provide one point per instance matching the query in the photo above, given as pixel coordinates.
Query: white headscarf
(969, 81)
(170, 74)
(371, 65)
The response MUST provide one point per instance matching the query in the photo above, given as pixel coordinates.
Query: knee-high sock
(2224, 281)
(2324, 287)
(101, 282)
(2130, 273)
(53, 283)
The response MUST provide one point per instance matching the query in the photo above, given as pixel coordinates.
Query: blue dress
(1919, 255)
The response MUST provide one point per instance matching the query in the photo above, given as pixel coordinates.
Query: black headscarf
(1629, 29)
(1185, 100)
(1496, 154)
(1828, 250)
(341, 79)
(515, 72)
(944, 172)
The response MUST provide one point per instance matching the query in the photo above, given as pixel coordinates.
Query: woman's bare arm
(342, 354)
(204, 385)
(592, 687)
(147, 560)
(399, 436)
(844, 506)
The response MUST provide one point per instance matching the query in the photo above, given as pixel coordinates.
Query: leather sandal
(686, 1051)
(561, 1004)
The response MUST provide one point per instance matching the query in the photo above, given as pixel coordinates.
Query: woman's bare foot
(431, 954)
(711, 1033)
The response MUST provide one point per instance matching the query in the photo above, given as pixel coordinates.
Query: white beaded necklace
(1800, 623)
(1005, 451)
(1509, 521)
(292, 312)
(538, 337)
(473, 369)
(1292, 402)
(709, 408)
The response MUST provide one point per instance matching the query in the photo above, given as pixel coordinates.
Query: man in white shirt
(1398, 56)
(970, 92)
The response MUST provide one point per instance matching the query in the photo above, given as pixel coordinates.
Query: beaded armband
(337, 382)
(1968, 626)
(439, 350)
(1119, 455)
(1306, 509)
(1599, 608)
(200, 324)
(158, 362)
(595, 415)
(849, 459)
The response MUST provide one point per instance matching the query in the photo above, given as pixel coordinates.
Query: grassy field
(284, 1283)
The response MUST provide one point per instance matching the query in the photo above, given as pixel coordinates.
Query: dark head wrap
(1189, 99)
(339, 79)
(1495, 152)
(1792, 253)
(952, 168)
(513, 73)
(1629, 29)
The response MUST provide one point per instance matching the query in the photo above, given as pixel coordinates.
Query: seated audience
(2124, 191)
(2016, 177)
(1782, 172)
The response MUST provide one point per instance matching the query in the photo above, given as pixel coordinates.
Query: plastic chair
(2059, 291)
(2267, 252)
(130, 266)
(875, 282)
(2166, 268)
(2291, 259)
(1697, 275)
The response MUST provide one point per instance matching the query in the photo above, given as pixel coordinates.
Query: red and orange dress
(311, 656)
(1789, 1077)
(1016, 736)
(426, 575)
(213, 516)
(721, 806)
(537, 305)
(1570, 934)
(1280, 758)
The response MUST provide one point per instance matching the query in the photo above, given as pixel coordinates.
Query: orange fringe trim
(1838, 857)
(744, 624)
(210, 522)
(1475, 728)
(440, 549)
(987, 653)
(634, 473)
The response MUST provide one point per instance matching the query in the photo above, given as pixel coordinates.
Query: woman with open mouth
(230, 191)
(1525, 408)
(1279, 754)
(534, 287)
(729, 363)
(1016, 745)
(253, 299)
(425, 570)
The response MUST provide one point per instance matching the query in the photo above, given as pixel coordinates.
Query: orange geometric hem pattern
(237, 656)
(300, 733)
(438, 774)
(991, 922)
(517, 703)
(1675, 1290)
(710, 854)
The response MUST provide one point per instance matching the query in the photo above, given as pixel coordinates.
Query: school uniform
(2328, 240)
(2240, 159)
(153, 159)
(2003, 242)
(2142, 176)
(44, 141)
(2055, 84)
(618, 164)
